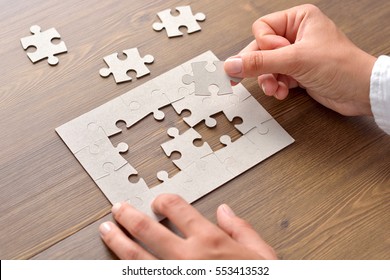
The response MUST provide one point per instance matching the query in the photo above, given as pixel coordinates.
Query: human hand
(233, 238)
(302, 47)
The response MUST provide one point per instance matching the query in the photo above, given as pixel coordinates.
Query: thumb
(242, 232)
(256, 63)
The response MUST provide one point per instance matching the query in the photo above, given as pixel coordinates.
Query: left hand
(233, 238)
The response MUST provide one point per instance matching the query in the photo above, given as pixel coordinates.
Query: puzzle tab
(42, 41)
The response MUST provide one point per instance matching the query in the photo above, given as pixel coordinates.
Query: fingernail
(104, 228)
(263, 87)
(228, 211)
(115, 208)
(233, 65)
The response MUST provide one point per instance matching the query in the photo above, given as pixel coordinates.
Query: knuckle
(213, 237)
(255, 25)
(139, 225)
(254, 63)
(165, 202)
(131, 254)
(311, 7)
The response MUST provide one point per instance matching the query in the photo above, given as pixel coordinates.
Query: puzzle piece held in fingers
(119, 67)
(42, 41)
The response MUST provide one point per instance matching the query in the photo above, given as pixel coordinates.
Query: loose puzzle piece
(94, 157)
(172, 23)
(119, 68)
(183, 144)
(42, 41)
(203, 78)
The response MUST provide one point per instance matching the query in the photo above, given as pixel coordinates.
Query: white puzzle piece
(119, 67)
(80, 133)
(202, 170)
(183, 143)
(251, 113)
(203, 107)
(95, 156)
(116, 185)
(181, 184)
(143, 101)
(42, 41)
(172, 23)
(203, 78)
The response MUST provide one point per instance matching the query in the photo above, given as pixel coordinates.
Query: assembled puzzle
(201, 169)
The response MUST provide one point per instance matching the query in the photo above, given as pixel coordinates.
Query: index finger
(283, 24)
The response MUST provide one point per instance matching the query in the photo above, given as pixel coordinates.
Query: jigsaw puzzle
(201, 169)
(203, 78)
(119, 67)
(42, 41)
(172, 23)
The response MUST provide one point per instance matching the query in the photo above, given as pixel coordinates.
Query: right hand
(302, 47)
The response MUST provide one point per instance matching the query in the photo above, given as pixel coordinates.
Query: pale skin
(296, 47)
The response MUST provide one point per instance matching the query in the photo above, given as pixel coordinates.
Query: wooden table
(327, 196)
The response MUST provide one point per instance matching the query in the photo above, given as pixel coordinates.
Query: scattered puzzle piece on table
(203, 78)
(119, 68)
(172, 23)
(184, 144)
(42, 41)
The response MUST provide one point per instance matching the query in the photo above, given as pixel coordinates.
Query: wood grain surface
(327, 196)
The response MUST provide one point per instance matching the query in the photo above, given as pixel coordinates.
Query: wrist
(363, 70)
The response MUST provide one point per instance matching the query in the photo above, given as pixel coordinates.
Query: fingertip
(115, 208)
(264, 88)
(233, 66)
(105, 228)
(268, 84)
(282, 91)
(226, 210)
